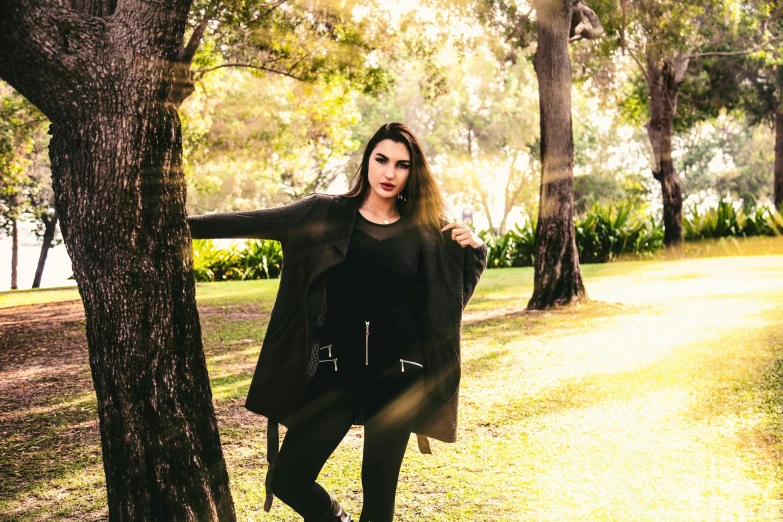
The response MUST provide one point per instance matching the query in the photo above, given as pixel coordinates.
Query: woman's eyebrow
(382, 155)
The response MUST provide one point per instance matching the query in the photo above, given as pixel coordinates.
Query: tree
(101, 72)
(41, 199)
(558, 279)
(554, 24)
(19, 123)
(754, 80)
(298, 39)
(666, 38)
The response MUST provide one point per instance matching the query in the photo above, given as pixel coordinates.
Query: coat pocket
(277, 329)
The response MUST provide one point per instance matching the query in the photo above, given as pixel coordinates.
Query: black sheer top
(378, 275)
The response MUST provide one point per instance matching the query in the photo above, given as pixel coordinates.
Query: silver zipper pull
(366, 343)
(402, 365)
(329, 350)
(335, 365)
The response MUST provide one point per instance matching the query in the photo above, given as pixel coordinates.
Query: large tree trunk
(663, 83)
(14, 254)
(50, 226)
(778, 176)
(557, 279)
(120, 195)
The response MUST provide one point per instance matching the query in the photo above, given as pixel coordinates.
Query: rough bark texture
(120, 196)
(50, 226)
(664, 80)
(14, 254)
(778, 157)
(558, 279)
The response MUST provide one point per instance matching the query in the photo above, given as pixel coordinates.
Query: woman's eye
(403, 166)
(380, 160)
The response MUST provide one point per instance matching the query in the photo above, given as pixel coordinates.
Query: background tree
(307, 41)
(558, 279)
(101, 72)
(668, 41)
(20, 124)
(752, 82)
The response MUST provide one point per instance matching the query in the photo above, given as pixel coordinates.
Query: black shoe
(336, 513)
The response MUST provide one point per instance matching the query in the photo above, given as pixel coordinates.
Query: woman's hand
(463, 235)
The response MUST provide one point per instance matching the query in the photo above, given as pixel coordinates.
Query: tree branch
(738, 53)
(187, 53)
(45, 48)
(641, 65)
(159, 24)
(249, 66)
(585, 24)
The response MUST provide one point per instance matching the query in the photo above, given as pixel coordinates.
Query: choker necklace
(386, 211)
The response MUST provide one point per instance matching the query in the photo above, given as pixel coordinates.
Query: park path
(655, 402)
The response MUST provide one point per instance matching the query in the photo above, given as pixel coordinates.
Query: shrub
(602, 234)
(728, 220)
(259, 259)
(514, 248)
(607, 232)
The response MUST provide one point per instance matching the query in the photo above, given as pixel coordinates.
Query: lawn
(658, 400)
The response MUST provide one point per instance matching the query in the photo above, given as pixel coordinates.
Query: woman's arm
(475, 257)
(475, 263)
(269, 223)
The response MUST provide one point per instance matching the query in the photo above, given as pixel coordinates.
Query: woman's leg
(392, 405)
(308, 443)
(384, 449)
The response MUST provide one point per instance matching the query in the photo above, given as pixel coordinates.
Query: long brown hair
(422, 198)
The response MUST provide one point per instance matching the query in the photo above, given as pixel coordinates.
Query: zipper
(327, 347)
(330, 360)
(366, 343)
(403, 361)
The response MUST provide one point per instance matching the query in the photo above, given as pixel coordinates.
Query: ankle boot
(336, 513)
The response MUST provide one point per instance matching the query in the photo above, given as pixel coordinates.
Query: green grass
(661, 399)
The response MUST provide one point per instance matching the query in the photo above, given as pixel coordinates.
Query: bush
(728, 220)
(602, 234)
(605, 233)
(514, 248)
(259, 259)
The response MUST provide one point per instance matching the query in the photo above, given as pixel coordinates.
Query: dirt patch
(48, 417)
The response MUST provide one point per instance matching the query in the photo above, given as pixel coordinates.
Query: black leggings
(389, 400)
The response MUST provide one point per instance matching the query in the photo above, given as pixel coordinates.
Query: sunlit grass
(661, 399)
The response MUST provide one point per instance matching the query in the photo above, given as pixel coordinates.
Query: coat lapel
(340, 220)
(337, 229)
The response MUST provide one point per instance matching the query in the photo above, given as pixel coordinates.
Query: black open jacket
(315, 232)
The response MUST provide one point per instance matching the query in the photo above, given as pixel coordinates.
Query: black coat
(315, 232)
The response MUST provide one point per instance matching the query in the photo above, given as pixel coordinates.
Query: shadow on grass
(514, 323)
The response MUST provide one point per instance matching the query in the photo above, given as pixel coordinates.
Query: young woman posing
(366, 325)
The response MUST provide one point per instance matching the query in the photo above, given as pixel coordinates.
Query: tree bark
(663, 83)
(50, 226)
(14, 254)
(120, 196)
(558, 279)
(778, 175)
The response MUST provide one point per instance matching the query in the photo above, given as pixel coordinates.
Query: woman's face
(389, 167)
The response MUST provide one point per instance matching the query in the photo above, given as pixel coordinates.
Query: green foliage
(514, 248)
(24, 173)
(729, 220)
(260, 259)
(605, 233)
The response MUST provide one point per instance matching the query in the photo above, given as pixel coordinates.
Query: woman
(366, 325)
